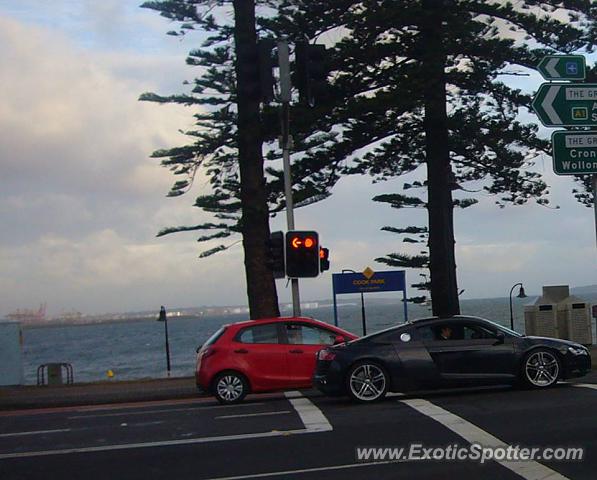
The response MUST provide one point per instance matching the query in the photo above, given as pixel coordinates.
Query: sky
(81, 200)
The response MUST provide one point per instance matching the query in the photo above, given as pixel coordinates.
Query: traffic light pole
(285, 97)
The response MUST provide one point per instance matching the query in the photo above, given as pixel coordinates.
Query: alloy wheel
(542, 369)
(367, 382)
(230, 388)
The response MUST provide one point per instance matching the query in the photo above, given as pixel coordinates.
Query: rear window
(302, 334)
(259, 334)
(214, 338)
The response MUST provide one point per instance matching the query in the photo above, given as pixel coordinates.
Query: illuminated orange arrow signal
(296, 242)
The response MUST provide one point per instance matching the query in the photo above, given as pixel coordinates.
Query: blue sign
(571, 68)
(369, 282)
(390, 281)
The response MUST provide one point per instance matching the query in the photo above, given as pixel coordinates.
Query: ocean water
(136, 349)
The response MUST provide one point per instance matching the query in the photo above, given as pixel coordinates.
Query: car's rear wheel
(367, 382)
(230, 387)
(541, 368)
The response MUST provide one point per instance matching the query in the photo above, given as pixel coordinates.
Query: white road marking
(585, 385)
(141, 424)
(529, 470)
(395, 394)
(129, 446)
(36, 432)
(313, 418)
(309, 470)
(281, 412)
(194, 409)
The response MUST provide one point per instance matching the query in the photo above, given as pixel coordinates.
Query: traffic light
(324, 259)
(302, 254)
(267, 63)
(275, 258)
(311, 67)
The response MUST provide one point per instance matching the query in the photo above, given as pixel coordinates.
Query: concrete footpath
(33, 396)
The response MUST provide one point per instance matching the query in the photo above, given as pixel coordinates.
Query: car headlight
(578, 350)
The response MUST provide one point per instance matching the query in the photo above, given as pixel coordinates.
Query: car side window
(441, 332)
(301, 334)
(259, 334)
(426, 333)
(476, 332)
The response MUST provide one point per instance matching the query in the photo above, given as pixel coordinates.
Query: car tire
(541, 368)
(367, 382)
(230, 387)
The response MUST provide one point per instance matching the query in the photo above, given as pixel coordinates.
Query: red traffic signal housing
(324, 259)
(302, 254)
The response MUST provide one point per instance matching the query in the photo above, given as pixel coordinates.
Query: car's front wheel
(367, 382)
(230, 387)
(541, 368)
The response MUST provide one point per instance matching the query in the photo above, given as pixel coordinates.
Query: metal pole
(335, 301)
(363, 318)
(164, 318)
(363, 314)
(511, 312)
(595, 201)
(285, 96)
(405, 305)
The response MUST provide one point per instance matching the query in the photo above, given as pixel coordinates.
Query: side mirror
(339, 339)
(499, 336)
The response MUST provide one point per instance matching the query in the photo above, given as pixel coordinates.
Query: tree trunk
(261, 286)
(444, 288)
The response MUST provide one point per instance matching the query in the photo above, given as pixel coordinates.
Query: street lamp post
(363, 320)
(164, 318)
(521, 294)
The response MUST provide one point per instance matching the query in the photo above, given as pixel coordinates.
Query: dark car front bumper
(576, 365)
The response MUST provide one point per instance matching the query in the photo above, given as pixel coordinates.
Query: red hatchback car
(263, 355)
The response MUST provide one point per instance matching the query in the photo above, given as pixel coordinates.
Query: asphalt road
(302, 435)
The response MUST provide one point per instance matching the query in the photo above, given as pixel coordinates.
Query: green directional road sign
(562, 67)
(574, 153)
(566, 104)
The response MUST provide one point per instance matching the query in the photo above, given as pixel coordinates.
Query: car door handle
(241, 350)
(296, 351)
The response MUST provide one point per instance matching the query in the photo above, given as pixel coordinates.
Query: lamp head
(521, 293)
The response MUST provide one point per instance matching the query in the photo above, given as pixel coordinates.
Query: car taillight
(208, 352)
(326, 355)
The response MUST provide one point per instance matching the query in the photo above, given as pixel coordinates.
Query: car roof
(452, 318)
(283, 319)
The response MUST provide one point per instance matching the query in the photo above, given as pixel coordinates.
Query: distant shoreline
(58, 323)
(233, 311)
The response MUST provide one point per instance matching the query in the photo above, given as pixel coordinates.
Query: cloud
(106, 272)
(65, 118)
(76, 175)
(496, 258)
